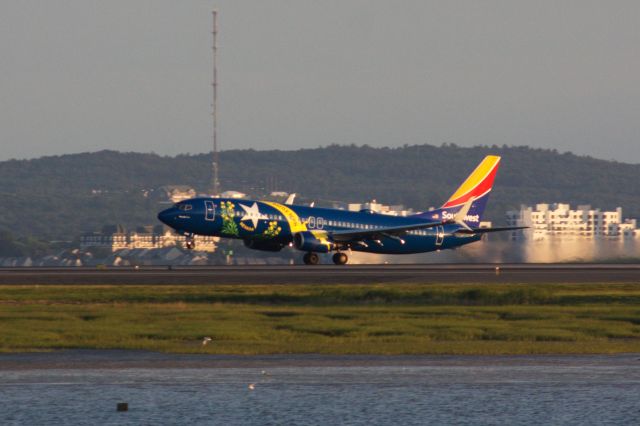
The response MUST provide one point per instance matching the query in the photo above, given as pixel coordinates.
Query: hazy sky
(83, 75)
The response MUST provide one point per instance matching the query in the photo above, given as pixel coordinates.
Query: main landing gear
(311, 258)
(340, 258)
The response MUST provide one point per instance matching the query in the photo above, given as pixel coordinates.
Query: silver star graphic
(253, 214)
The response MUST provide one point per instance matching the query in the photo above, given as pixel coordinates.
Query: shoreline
(110, 359)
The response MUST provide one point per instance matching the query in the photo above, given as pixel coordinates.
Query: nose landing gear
(190, 242)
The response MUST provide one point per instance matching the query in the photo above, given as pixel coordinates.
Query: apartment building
(559, 220)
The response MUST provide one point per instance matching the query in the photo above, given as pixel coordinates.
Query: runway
(326, 274)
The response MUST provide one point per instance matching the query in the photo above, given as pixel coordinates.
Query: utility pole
(215, 183)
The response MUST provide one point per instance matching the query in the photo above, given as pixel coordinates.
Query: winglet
(290, 199)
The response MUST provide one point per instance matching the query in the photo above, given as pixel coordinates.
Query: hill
(60, 197)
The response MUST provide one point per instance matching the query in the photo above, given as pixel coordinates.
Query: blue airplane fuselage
(271, 226)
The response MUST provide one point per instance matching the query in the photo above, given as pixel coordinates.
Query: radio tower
(215, 183)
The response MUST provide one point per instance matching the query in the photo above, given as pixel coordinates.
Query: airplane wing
(396, 232)
(392, 231)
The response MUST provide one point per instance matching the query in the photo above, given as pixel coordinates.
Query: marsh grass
(381, 319)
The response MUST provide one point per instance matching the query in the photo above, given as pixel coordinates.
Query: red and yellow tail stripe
(477, 184)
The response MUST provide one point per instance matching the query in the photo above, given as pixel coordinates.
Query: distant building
(547, 220)
(233, 194)
(177, 193)
(282, 194)
(146, 237)
(374, 206)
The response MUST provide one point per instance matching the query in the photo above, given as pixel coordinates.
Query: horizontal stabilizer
(489, 230)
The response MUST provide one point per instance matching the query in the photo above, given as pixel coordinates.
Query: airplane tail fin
(471, 196)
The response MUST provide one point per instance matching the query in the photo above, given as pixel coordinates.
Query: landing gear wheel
(311, 258)
(340, 258)
(190, 242)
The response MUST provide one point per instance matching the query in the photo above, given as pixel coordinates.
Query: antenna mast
(215, 184)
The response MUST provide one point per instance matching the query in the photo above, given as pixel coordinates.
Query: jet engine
(263, 245)
(313, 241)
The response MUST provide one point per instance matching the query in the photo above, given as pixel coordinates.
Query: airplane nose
(165, 216)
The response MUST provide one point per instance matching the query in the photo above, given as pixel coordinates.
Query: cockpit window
(185, 207)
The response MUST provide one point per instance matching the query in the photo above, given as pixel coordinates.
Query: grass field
(335, 319)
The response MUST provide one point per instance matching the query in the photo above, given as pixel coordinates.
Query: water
(348, 390)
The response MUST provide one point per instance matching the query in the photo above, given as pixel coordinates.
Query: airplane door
(209, 210)
(439, 235)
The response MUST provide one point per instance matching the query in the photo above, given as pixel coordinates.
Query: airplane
(271, 226)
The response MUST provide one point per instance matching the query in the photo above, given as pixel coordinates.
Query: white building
(549, 220)
(143, 238)
(233, 194)
(376, 207)
(177, 193)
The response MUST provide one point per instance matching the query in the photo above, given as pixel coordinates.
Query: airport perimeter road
(327, 274)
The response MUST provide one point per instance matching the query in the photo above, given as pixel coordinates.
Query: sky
(135, 75)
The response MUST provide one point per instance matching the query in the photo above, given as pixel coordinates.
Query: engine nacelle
(263, 245)
(315, 241)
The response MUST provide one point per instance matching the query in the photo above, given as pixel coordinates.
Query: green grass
(336, 319)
